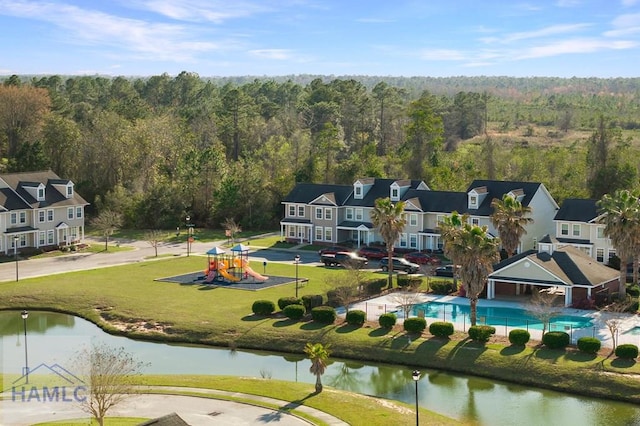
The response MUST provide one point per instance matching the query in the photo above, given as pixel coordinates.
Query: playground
(230, 270)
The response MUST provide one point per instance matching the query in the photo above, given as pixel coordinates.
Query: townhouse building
(331, 214)
(39, 209)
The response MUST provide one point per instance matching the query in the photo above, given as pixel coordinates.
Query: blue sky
(562, 38)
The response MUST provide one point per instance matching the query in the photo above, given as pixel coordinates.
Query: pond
(54, 338)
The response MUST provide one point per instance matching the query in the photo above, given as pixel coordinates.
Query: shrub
(481, 333)
(263, 307)
(283, 302)
(442, 287)
(409, 281)
(633, 291)
(324, 314)
(336, 296)
(356, 317)
(556, 339)
(374, 287)
(294, 312)
(311, 301)
(387, 320)
(415, 325)
(441, 328)
(589, 345)
(627, 351)
(519, 337)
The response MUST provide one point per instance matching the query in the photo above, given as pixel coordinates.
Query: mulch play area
(249, 283)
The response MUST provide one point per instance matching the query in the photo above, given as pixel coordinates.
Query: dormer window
(69, 190)
(395, 194)
(473, 201)
(357, 191)
(40, 193)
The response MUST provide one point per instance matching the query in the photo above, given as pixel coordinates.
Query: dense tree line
(156, 149)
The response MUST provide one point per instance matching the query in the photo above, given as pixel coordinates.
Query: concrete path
(196, 411)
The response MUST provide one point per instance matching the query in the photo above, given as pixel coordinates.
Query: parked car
(371, 252)
(419, 257)
(446, 271)
(331, 250)
(344, 258)
(399, 264)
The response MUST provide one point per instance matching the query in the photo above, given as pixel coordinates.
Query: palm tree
(471, 247)
(389, 219)
(318, 354)
(510, 218)
(621, 219)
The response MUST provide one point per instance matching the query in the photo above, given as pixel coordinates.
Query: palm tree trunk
(473, 306)
(390, 268)
(318, 384)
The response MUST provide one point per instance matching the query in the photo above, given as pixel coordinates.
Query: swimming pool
(497, 316)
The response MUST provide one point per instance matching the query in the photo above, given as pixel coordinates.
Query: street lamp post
(296, 260)
(25, 315)
(15, 253)
(188, 236)
(416, 376)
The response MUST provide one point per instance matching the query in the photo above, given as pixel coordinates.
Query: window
(600, 232)
(78, 212)
(439, 220)
(70, 213)
(318, 213)
(301, 211)
(49, 215)
(600, 255)
(292, 231)
(40, 193)
(13, 218)
(413, 219)
(395, 193)
(319, 233)
(473, 200)
(413, 241)
(612, 254)
(475, 221)
(358, 191)
(327, 214)
(359, 214)
(50, 237)
(403, 240)
(564, 229)
(575, 230)
(23, 218)
(23, 240)
(292, 210)
(69, 191)
(349, 214)
(42, 216)
(42, 238)
(327, 234)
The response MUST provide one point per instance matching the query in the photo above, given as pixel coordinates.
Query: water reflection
(54, 337)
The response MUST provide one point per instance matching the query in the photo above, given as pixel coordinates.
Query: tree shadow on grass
(379, 332)
(287, 408)
(550, 354)
(254, 317)
(285, 322)
(431, 346)
(512, 350)
(403, 341)
(347, 328)
(623, 363)
(579, 356)
(314, 325)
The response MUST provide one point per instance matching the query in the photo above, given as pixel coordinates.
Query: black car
(344, 258)
(399, 264)
(445, 271)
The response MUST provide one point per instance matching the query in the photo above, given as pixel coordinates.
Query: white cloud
(543, 32)
(155, 41)
(629, 3)
(625, 25)
(564, 47)
(216, 11)
(279, 54)
(443, 55)
(568, 3)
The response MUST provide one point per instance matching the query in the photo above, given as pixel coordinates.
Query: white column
(567, 296)
(491, 289)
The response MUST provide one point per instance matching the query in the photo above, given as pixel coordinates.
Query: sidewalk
(195, 410)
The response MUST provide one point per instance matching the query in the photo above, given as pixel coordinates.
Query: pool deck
(628, 324)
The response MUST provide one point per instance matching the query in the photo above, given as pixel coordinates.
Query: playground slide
(227, 275)
(253, 273)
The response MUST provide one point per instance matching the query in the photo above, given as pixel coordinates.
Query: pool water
(511, 317)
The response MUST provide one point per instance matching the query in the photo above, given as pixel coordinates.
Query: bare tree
(232, 228)
(154, 237)
(107, 222)
(542, 307)
(614, 321)
(347, 288)
(108, 373)
(406, 300)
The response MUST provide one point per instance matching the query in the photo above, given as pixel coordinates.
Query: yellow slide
(222, 270)
(253, 273)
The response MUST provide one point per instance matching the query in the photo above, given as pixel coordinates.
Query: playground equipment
(230, 268)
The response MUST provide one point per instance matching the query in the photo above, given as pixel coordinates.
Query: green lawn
(222, 317)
